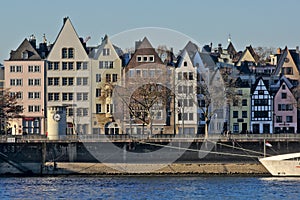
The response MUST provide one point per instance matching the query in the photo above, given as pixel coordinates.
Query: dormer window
(139, 58)
(145, 59)
(151, 58)
(25, 55)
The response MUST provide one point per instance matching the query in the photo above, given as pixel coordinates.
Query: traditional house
(68, 79)
(288, 65)
(146, 78)
(185, 93)
(248, 56)
(261, 108)
(25, 79)
(106, 74)
(285, 109)
(240, 109)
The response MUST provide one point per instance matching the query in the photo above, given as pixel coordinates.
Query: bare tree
(264, 53)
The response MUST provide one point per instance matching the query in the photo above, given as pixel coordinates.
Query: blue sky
(272, 23)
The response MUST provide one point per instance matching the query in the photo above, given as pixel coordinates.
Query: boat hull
(283, 165)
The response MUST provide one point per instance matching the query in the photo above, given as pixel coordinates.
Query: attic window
(286, 60)
(139, 58)
(25, 55)
(185, 63)
(283, 87)
(145, 58)
(151, 58)
(106, 52)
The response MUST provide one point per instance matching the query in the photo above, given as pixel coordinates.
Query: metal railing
(157, 137)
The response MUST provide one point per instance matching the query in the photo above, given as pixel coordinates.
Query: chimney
(65, 19)
(297, 49)
(32, 41)
(278, 51)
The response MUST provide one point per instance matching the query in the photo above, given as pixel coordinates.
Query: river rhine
(131, 187)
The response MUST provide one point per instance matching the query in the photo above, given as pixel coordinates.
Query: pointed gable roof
(67, 37)
(145, 44)
(285, 57)
(191, 49)
(230, 49)
(143, 49)
(25, 46)
(260, 81)
(184, 57)
(248, 55)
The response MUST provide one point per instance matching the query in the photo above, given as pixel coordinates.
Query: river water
(163, 187)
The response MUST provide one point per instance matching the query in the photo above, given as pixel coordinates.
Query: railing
(157, 137)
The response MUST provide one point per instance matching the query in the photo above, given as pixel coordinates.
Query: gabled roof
(254, 86)
(144, 48)
(282, 59)
(248, 50)
(25, 46)
(182, 57)
(230, 49)
(145, 44)
(96, 51)
(191, 49)
(68, 36)
(287, 83)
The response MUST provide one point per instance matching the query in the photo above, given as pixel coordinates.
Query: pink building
(285, 110)
(24, 77)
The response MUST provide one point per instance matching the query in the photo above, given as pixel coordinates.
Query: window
(108, 78)
(70, 53)
(145, 59)
(260, 92)
(16, 82)
(64, 65)
(18, 68)
(179, 76)
(12, 68)
(185, 63)
(191, 76)
(139, 58)
(115, 77)
(106, 52)
(260, 102)
(98, 108)
(151, 58)
(185, 75)
(260, 114)
(244, 102)
(236, 127)
(244, 114)
(50, 65)
(283, 87)
(34, 108)
(289, 119)
(67, 96)
(70, 65)
(34, 95)
(56, 66)
(283, 95)
(288, 71)
(30, 68)
(191, 116)
(278, 119)
(53, 96)
(70, 111)
(25, 55)
(98, 92)
(64, 53)
(98, 78)
(235, 114)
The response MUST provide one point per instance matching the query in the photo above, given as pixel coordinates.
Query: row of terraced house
(70, 74)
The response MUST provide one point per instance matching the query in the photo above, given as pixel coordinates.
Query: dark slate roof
(207, 60)
(230, 49)
(281, 61)
(25, 46)
(191, 49)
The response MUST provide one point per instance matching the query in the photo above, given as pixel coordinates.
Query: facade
(261, 108)
(239, 120)
(285, 110)
(287, 66)
(146, 70)
(68, 79)
(106, 67)
(186, 98)
(25, 79)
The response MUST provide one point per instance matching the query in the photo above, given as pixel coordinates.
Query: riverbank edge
(124, 169)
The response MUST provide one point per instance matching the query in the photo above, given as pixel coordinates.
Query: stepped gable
(25, 47)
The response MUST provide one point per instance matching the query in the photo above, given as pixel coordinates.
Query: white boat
(282, 165)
